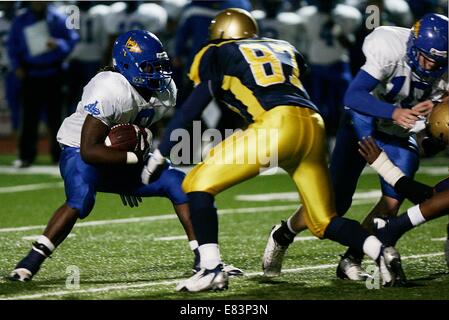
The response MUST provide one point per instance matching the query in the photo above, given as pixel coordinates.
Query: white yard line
(50, 170)
(32, 187)
(155, 218)
(36, 236)
(439, 239)
(293, 196)
(169, 216)
(54, 170)
(305, 238)
(184, 237)
(173, 282)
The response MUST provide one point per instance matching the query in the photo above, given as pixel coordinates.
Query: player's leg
(311, 175)
(169, 185)
(346, 163)
(346, 167)
(32, 103)
(404, 155)
(313, 182)
(12, 92)
(234, 160)
(390, 230)
(79, 203)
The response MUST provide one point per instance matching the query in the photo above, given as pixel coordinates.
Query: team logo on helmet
(133, 46)
(438, 53)
(162, 55)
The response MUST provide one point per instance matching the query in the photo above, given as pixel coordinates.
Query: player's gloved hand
(144, 142)
(154, 165)
(132, 201)
(369, 149)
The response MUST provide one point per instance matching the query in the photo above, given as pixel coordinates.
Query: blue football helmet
(429, 37)
(140, 57)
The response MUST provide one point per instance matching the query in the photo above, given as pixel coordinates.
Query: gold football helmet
(438, 122)
(233, 23)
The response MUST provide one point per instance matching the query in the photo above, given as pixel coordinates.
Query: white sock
(371, 247)
(415, 216)
(193, 244)
(210, 255)
(289, 225)
(46, 242)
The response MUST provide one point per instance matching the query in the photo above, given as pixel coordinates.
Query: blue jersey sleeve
(359, 98)
(190, 110)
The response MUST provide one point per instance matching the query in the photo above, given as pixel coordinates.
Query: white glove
(153, 163)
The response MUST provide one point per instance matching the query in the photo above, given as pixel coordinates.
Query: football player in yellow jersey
(259, 79)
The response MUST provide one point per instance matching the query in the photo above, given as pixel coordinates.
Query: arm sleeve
(13, 46)
(414, 191)
(191, 109)
(66, 41)
(359, 98)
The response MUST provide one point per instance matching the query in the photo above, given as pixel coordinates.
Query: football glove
(155, 164)
(144, 142)
(132, 201)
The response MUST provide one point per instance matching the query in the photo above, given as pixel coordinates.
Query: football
(128, 137)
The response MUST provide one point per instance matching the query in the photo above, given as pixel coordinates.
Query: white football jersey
(322, 47)
(93, 37)
(385, 50)
(286, 26)
(110, 98)
(149, 16)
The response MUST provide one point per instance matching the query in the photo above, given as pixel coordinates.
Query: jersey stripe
(242, 93)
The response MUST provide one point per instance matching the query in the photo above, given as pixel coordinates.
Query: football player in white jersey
(87, 56)
(276, 23)
(404, 73)
(139, 90)
(329, 34)
(134, 15)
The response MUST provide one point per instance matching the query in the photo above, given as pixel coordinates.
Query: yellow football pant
(296, 137)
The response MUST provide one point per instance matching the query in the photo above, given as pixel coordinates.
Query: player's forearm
(359, 98)
(415, 191)
(100, 154)
(189, 111)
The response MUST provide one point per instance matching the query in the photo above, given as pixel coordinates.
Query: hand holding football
(129, 137)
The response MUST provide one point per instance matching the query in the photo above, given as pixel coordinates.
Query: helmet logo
(162, 55)
(438, 53)
(133, 46)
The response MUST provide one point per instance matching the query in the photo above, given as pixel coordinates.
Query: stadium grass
(126, 261)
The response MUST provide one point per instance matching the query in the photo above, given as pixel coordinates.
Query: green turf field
(144, 257)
